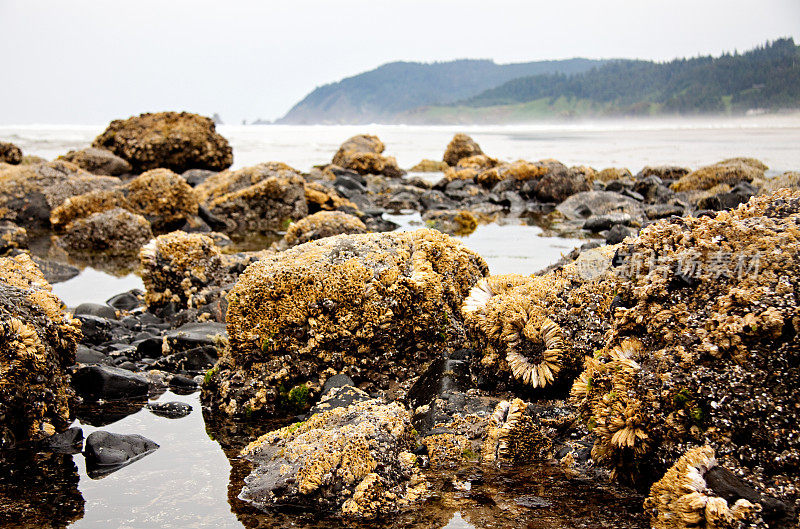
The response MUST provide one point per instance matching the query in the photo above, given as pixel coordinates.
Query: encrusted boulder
(729, 172)
(461, 146)
(162, 197)
(172, 140)
(263, 198)
(115, 232)
(664, 172)
(37, 343)
(321, 225)
(703, 347)
(788, 180)
(514, 435)
(561, 183)
(81, 206)
(363, 154)
(352, 462)
(10, 153)
(180, 268)
(28, 193)
(375, 306)
(98, 161)
(429, 166)
(12, 237)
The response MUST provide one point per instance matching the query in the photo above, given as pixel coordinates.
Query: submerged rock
(98, 161)
(107, 452)
(353, 462)
(175, 141)
(703, 347)
(374, 306)
(461, 146)
(37, 343)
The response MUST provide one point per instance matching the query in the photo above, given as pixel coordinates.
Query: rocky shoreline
(367, 375)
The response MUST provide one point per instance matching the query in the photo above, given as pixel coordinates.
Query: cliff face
(381, 94)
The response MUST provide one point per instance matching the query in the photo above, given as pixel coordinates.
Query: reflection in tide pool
(94, 286)
(457, 522)
(511, 248)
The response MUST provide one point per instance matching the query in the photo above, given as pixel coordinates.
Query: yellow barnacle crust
(351, 460)
(37, 343)
(513, 435)
(322, 224)
(375, 306)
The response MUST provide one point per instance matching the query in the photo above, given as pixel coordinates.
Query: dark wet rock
(586, 204)
(618, 186)
(39, 490)
(443, 375)
(10, 153)
(98, 161)
(652, 189)
(740, 194)
(336, 381)
(128, 366)
(84, 355)
(127, 300)
(170, 410)
(532, 502)
(95, 330)
(54, 271)
(402, 201)
(107, 452)
(38, 341)
(95, 309)
(618, 232)
(182, 383)
(662, 211)
(196, 360)
(352, 462)
(461, 146)
(195, 177)
(150, 347)
(600, 223)
(193, 335)
(69, 441)
(176, 141)
(105, 382)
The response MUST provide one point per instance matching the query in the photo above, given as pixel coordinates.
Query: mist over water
(631, 143)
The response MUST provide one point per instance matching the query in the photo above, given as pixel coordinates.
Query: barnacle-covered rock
(10, 153)
(353, 462)
(322, 198)
(429, 166)
(725, 172)
(561, 183)
(514, 435)
(321, 225)
(518, 172)
(259, 199)
(683, 498)
(180, 268)
(115, 232)
(451, 222)
(28, 193)
(362, 154)
(12, 237)
(788, 180)
(81, 206)
(98, 161)
(374, 306)
(37, 343)
(534, 331)
(703, 349)
(163, 197)
(461, 146)
(172, 140)
(612, 173)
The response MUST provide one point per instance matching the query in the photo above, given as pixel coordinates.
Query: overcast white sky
(90, 61)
